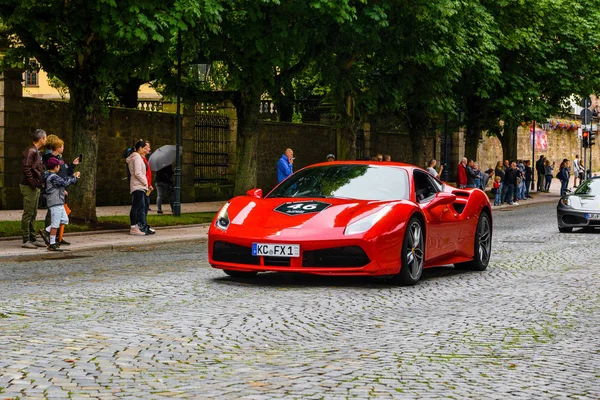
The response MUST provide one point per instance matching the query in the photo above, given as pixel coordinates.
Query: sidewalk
(109, 240)
(115, 239)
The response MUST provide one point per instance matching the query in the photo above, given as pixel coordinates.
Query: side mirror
(442, 198)
(256, 193)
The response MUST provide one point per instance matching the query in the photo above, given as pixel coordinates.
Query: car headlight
(566, 201)
(366, 223)
(222, 221)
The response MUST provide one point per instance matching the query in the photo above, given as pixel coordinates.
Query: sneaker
(28, 245)
(64, 242)
(45, 236)
(38, 244)
(54, 247)
(149, 231)
(515, 203)
(136, 232)
(159, 212)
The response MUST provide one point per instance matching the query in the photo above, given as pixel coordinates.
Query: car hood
(585, 202)
(270, 213)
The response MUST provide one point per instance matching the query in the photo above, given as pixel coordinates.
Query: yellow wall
(44, 91)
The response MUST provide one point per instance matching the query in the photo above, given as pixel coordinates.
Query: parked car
(353, 218)
(581, 208)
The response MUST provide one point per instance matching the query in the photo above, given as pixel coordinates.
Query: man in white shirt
(577, 171)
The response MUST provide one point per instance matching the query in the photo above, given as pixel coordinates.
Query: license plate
(592, 216)
(276, 250)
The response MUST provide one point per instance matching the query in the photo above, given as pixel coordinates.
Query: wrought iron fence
(211, 142)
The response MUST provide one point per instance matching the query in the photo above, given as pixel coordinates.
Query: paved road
(160, 324)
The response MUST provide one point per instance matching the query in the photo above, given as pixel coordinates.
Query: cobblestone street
(162, 323)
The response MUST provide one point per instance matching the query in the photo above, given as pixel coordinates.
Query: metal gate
(211, 143)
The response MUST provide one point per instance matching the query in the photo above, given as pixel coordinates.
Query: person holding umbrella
(162, 161)
(164, 186)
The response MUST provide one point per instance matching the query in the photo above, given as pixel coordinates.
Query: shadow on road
(283, 279)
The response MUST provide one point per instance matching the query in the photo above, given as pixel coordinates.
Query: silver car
(580, 209)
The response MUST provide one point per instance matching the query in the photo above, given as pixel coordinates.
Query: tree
(91, 45)
(542, 62)
(265, 44)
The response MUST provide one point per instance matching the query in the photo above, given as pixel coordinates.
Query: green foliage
(59, 85)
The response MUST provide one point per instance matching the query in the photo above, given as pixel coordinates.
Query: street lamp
(200, 69)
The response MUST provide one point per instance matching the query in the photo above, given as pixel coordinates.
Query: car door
(440, 220)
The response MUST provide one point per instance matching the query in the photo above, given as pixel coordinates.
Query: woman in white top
(431, 168)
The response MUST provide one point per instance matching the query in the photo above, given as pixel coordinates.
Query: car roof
(366, 162)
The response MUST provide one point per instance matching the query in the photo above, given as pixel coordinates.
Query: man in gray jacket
(31, 185)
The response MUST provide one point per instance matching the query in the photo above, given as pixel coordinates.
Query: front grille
(340, 257)
(574, 220)
(277, 261)
(233, 253)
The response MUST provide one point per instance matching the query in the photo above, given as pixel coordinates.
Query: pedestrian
(164, 187)
(285, 165)
(55, 197)
(461, 174)
(541, 173)
(138, 185)
(478, 175)
(431, 168)
(499, 172)
(510, 180)
(30, 186)
(387, 157)
(528, 178)
(496, 191)
(548, 174)
(577, 171)
(54, 149)
(144, 227)
(520, 193)
(563, 175)
(471, 174)
(330, 157)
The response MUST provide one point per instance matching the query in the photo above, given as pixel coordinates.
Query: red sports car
(353, 218)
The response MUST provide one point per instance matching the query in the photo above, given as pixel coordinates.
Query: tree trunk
(418, 124)
(247, 142)
(472, 135)
(86, 111)
(509, 140)
(346, 148)
(128, 93)
(285, 104)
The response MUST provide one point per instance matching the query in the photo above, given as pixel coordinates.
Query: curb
(100, 232)
(46, 255)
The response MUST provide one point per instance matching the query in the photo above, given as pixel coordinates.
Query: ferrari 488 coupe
(580, 209)
(353, 218)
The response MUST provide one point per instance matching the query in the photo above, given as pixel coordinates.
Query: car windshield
(590, 187)
(354, 181)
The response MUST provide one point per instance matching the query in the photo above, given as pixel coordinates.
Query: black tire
(483, 246)
(565, 229)
(412, 255)
(240, 274)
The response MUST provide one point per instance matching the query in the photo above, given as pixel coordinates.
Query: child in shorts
(55, 198)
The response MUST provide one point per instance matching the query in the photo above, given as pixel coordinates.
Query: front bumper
(321, 257)
(568, 217)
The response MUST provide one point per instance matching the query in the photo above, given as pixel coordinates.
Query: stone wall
(119, 130)
(19, 117)
(561, 144)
